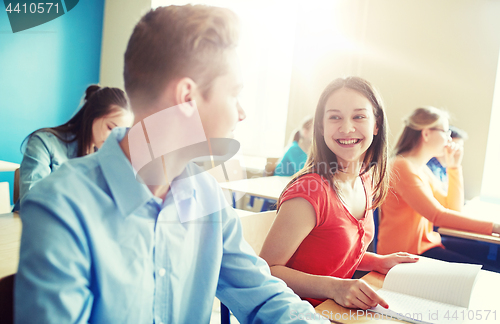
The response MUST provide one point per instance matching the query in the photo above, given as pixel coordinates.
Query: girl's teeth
(348, 142)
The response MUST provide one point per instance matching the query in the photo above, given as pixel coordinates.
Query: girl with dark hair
(48, 148)
(417, 202)
(296, 155)
(325, 220)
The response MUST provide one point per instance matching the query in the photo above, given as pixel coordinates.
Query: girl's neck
(349, 175)
(91, 149)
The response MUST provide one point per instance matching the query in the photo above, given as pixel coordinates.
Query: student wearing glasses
(438, 163)
(416, 201)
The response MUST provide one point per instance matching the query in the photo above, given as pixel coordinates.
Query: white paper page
(418, 310)
(482, 210)
(440, 281)
(400, 316)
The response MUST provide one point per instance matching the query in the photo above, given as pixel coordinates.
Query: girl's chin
(348, 161)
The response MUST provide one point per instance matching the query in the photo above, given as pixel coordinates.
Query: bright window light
(490, 190)
(266, 54)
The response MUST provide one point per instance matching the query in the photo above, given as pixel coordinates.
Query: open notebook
(428, 291)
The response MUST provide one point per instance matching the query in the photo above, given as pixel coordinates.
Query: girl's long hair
(98, 102)
(323, 161)
(420, 118)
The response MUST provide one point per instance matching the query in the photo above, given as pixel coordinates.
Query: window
(490, 187)
(266, 53)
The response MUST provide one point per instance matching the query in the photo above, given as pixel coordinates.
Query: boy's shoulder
(204, 188)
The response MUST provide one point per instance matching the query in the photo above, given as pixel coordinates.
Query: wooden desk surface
(264, 187)
(10, 240)
(470, 236)
(8, 166)
(484, 297)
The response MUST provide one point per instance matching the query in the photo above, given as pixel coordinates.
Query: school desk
(470, 236)
(8, 166)
(263, 187)
(10, 240)
(480, 210)
(484, 297)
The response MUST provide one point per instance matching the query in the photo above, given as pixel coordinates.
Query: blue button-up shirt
(439, 171)
(98, 247)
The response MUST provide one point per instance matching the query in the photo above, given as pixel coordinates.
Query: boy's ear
(185, 91)
(185, 95)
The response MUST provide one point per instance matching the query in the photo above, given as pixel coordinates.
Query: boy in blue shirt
(136, 233)
(438, 164)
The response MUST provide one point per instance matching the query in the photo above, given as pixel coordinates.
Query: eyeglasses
(447, 133)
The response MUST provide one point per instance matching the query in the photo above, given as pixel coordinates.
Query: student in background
(48, 148)
(438, 163)
(325, 220)
(416, 201)
(296, 155)
(118, 249)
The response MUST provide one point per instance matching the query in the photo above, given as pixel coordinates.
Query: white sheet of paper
(418, 310)
(440, 281)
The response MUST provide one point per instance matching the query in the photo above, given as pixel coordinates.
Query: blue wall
(44, 72)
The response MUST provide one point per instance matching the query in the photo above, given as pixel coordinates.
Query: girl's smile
(348, 142)
(349, 125)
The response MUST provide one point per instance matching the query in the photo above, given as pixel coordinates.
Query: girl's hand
(496, 228)
(453, 153)
(386, 262)
(355, 293)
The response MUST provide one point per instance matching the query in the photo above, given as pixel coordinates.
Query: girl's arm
(384, 263)
(295, 220)
(419, 197)
(454, 197)
(35, 165)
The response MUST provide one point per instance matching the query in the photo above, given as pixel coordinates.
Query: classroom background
(416, 52)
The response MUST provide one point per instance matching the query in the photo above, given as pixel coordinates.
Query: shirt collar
(128, 193)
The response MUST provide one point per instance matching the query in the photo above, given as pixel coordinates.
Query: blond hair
(419, 119)
(175, 42)
(307, 124)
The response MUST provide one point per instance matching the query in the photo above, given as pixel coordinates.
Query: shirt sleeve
(35, 165)
(311, 189)
(52, 282)
(454, 197)
(247, 287)
(420, 197)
